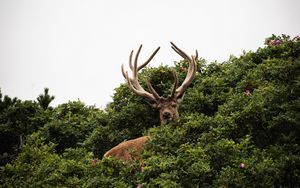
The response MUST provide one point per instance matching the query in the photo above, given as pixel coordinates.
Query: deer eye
(174, 105)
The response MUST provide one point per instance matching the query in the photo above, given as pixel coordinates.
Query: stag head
(167, 106)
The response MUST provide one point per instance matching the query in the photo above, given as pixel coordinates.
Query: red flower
(277, 42)
(94, 161)
(272, 42)
(247, 92)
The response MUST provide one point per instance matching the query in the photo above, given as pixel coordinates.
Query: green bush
(239, 127)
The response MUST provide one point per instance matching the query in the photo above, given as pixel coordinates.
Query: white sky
(76, 48)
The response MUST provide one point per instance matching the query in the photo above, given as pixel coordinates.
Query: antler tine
(194, 59)
(196, 56)
(191, 70)
(136, 60)
(125, 75)
(130, 60)
(148, 61)
(175, 84)
(188, 79)
(136, 91)
(137, 68)
(123, 71)
(133, 82)
(145, 63)
(152, 90)
(180, 52)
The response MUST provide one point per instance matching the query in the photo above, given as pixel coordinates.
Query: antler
(190, 75)
(133, 82)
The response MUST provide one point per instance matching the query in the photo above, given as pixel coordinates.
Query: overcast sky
(76, 48)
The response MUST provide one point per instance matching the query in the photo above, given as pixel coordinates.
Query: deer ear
(153, 104)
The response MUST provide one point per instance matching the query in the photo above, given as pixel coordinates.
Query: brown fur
(128, 150)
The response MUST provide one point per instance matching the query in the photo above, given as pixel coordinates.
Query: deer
(131, 150)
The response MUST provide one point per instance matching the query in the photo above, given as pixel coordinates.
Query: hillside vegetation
(239, 127)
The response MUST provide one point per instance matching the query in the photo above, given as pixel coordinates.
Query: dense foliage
(239, 127)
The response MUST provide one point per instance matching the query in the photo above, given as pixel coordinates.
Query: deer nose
(166, 115)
